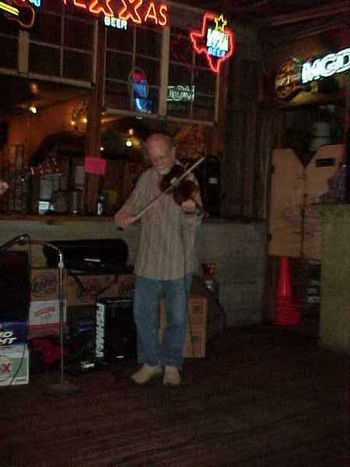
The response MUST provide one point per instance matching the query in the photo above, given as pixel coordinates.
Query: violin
(173, 180)
(183, 188)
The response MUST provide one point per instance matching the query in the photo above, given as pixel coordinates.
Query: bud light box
(13, 332)
(14, 365)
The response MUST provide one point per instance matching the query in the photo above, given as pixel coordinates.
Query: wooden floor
(263, 397)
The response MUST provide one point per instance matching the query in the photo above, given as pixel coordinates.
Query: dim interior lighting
(128, 143)
(131, 132)
(33, 109)
(84, 119)
(73, 122)
(102, 148)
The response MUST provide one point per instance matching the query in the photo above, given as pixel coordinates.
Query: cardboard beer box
(195, 342)
(197, 311)
(44, 284)
(44, 318)
(13, 332)
(14, 365)
(196, 329)
(86, 289)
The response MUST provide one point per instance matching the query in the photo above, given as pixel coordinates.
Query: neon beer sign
(135, 11)
(19, 11)
(326, 66)
(214, 40)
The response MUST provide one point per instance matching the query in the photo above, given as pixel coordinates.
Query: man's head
(161, 152)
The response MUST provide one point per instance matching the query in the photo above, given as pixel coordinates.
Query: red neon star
(198, 39)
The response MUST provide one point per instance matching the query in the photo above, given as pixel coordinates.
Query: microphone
(20, 240)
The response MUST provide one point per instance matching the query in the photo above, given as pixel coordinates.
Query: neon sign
(138, 86)
(326, 66)
(181, 93)
(215, 40)
(19, 12)
(136, 11)
(117, 23)
(288, 79)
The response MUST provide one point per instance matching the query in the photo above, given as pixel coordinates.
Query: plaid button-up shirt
(166, 247)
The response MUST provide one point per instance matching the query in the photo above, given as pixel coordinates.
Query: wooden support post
(217, 143)
(94, 114)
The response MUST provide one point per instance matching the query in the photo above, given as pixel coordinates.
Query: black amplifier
(115, 330)
(14, 286)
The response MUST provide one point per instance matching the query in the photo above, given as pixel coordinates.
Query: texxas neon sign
(136, 11)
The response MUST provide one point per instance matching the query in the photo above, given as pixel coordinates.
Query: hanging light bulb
(128, 143)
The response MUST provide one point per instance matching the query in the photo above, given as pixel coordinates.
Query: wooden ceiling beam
(308, 14)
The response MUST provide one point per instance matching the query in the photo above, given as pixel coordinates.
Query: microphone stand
(19, 240)
(62, 388)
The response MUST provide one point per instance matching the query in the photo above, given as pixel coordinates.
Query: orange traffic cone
(287, 311)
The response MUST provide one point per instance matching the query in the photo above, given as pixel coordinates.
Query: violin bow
(172, 185)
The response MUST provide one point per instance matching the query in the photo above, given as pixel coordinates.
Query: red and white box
(44, 317)
(14, 365)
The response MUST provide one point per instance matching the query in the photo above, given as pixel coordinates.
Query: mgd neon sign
(215, 40)
(326, 66)
(136, 11)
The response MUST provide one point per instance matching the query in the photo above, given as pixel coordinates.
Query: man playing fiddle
(164, 265)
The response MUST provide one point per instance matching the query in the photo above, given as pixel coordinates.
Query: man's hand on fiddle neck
(123, 219)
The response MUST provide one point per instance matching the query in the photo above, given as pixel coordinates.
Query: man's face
(160, 153)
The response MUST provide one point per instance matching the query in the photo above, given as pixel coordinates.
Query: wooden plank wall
(294, 223)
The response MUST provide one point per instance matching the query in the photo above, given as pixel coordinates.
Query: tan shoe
(145, 373)
(171, 376)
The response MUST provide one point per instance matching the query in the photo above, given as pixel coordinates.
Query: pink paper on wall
(95, 165)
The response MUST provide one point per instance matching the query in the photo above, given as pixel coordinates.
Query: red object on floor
(287, 311)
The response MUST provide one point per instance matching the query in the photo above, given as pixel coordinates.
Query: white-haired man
(164, 265)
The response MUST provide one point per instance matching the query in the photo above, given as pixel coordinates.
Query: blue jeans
(148, 293)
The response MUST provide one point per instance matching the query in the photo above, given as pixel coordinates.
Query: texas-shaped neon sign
(214, 40)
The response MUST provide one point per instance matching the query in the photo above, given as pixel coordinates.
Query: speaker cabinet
(115, 330)
(14, 286)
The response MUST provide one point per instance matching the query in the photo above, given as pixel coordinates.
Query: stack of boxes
(196, 330)
(44, 311)
(80, 294)
(14, 358)
(84, 290)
